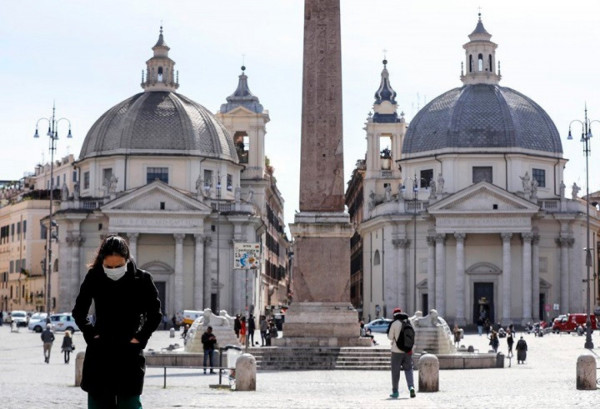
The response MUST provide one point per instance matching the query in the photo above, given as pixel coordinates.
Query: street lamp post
(53, 135)
(586, 135)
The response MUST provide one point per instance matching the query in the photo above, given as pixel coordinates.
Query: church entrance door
(483, 302)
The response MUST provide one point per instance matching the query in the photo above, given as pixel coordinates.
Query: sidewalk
(547, 379)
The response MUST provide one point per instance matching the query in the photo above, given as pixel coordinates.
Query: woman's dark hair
(111, 246)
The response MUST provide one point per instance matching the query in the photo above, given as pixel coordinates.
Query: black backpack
(406, 339)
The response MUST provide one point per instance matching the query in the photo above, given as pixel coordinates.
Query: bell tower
(480, 64)
(160, 74)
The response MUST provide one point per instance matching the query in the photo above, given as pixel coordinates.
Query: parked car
(19, 317)
(570, 323)
(37, 322)
(63, 322)
(379, 325)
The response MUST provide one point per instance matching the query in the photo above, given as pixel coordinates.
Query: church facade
(184, 186)
(465, 209)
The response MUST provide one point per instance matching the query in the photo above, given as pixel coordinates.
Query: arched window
(490, 63)
(376, 258)
(480, 62)
(470, 63)
(160, 74)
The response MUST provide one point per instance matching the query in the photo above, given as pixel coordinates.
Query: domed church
(183, 185)
(465, 209)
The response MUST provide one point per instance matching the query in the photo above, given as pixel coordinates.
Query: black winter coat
(124, 309)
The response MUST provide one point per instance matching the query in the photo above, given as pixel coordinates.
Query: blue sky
(88, 56)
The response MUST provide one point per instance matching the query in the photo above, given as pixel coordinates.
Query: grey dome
(482, 116)
(158, 123)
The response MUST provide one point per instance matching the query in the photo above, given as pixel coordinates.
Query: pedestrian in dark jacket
(127, 311)
(521, 351)
(67, 346)
(510, 340)
(251, 329)
(237, 325)
(208, 343)
(494, 341)
(47, 339)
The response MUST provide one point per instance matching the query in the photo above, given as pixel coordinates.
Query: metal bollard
(172, 333)
(586, 372)
(429, 373)
(245, 373)
(79, 367)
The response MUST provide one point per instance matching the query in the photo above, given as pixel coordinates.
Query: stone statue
(388, 193)
(112, 187)
(575, 191)
(64, 192)
(371, 200)
(563, 187)
(208, 318)
(534, 189)
(400, 192)
(76, 191)
(431, 320)
(250, 196)
(199, 183)
(526, 185)
(238, 194)
(432, 189)
(440, 183)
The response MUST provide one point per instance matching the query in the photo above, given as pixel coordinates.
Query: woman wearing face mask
(127, 311)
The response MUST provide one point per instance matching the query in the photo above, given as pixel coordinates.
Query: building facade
(466, 209)
(183, 185)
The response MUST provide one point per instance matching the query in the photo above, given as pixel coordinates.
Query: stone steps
(350, 358)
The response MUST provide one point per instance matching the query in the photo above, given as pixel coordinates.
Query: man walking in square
(399, 333)
(208, 342)
(47, 339)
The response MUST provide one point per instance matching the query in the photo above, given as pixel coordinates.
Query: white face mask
(115, 273)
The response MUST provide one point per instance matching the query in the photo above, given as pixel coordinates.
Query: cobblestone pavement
(546, 380)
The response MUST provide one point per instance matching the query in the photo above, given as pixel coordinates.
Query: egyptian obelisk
(321, 313)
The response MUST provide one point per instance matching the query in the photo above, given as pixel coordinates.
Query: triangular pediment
(151, 197)
(483, 198)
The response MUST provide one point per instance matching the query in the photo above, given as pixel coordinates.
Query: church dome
(482, 116)
(158, 123)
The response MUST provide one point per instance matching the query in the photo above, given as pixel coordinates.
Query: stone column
(398, 291)
(506, 276)
(562, 243)
(460, 278)
(430, 273)
(178, 272)
(536, 276)
(207, 273)
(133, 237)
(199, 272)
(440, 274)
(527, 317)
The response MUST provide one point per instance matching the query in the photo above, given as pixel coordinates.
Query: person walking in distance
(243, 331)
(264, 327)
(251, 329)
(208, 343)
(402, 336)
(127, 312)
(47, 339)
(521, 351)
(67, 346)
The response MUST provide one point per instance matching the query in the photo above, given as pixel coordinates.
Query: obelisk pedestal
(321, 313)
